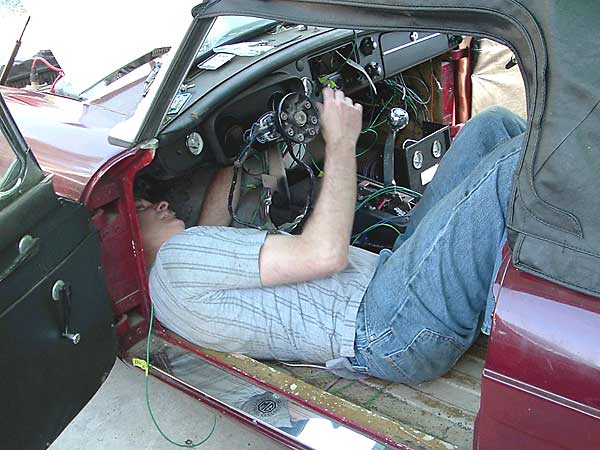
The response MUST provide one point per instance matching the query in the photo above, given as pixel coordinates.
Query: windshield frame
(152, 109)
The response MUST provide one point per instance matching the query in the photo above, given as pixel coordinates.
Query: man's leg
(423, 307)
(480, 136)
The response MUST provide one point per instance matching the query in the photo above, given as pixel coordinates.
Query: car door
(57, 339)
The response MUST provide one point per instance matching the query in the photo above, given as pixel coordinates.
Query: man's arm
(322, 248)
(214, 206)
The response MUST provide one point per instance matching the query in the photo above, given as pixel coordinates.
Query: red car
(72, 275)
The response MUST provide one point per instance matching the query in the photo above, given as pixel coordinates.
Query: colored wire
(306, 150)
(47, 64)
(386, 190)
(197, 444)
(368, 130)
(311, 186)
(234, 179)
(372, 227)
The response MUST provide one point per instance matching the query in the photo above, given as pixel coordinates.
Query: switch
(367, 46)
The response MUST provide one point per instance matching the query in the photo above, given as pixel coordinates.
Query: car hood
(68, 137)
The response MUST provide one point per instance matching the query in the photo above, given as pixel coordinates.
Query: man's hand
(341, 120)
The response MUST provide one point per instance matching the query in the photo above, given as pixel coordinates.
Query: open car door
(56, 335)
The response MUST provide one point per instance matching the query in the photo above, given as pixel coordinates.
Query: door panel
(48, 377)
(57, 340)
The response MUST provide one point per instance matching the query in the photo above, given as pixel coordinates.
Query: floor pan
(445, 408)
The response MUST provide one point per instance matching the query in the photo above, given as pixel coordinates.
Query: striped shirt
(205, 286)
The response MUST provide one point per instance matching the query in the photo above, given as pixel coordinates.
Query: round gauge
(436, 149)
(417, 160)
(194, 143)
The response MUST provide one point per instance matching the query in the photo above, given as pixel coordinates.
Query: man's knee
(498, 117)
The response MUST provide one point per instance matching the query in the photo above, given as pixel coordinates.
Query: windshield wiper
(151, 77)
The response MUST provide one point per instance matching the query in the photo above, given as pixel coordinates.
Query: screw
(283, 116)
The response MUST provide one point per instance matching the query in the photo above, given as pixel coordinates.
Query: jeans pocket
(428, 356)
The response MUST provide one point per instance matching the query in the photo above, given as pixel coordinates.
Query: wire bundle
(412, 100)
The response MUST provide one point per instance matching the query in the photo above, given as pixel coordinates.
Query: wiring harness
(294, 122)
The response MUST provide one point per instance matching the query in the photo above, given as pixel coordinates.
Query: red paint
(116, 220)
(68, 138)
(447, 81)
(541, 383)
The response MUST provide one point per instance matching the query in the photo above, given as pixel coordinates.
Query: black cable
(311, 187)
(237, 164)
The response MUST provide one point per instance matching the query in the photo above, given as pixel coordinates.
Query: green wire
(372, 227)
(342, 388)
(379, 114)
(252, 220)
(386, 190)
(148, 394)
(358, 155)
(369, 403)
(306, 149)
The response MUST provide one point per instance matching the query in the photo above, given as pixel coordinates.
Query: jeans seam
(445, 228)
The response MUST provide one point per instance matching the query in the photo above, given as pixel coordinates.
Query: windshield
(227, 28)
(88, 80)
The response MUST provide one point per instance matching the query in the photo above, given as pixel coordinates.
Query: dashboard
(207, 127)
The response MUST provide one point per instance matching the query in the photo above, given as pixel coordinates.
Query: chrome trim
(12, 190)
(408, 44)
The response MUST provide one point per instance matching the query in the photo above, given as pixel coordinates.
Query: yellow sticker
(141, 363)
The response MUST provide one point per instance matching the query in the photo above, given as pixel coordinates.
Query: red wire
(45, 61)
(60, 75)
(58, 70)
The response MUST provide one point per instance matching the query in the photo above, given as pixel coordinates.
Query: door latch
(61, 292)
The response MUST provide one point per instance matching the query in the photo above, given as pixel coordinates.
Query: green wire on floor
(192, 445)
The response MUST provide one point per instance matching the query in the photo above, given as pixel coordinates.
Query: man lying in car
(404, 315)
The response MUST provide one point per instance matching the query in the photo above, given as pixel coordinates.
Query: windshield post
(151, 111)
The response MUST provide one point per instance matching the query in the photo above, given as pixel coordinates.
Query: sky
(90, 39)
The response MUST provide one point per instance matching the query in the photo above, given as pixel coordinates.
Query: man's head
(157, 224)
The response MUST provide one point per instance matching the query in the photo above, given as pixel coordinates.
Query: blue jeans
(427, 300)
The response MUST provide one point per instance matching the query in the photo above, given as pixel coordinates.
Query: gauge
(194, 143)
(417, 160)
(436, 149)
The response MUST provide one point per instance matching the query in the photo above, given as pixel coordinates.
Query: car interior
(258, 114)
(406, 84)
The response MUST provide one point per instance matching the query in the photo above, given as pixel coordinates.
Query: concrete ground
(117, 418)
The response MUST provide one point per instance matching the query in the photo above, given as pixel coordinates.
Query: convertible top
(554, 217)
